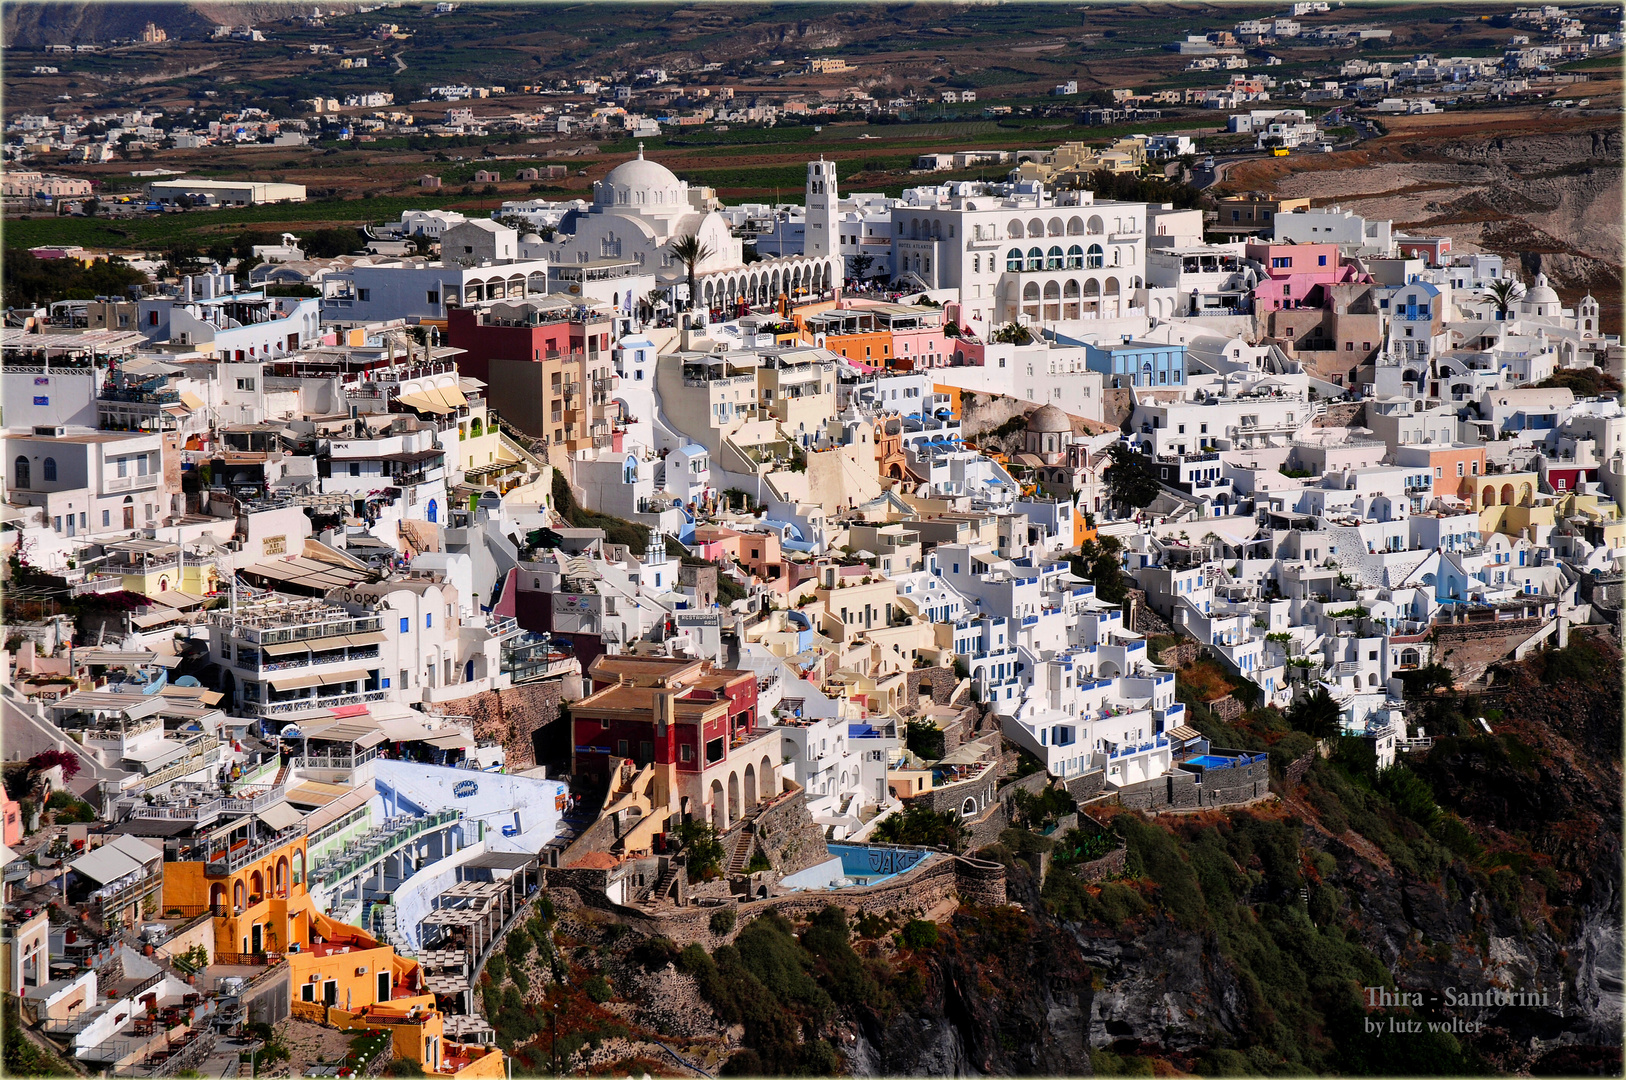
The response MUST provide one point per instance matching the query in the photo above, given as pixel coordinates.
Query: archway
(765, 779)
(1030, 300)
(217, 895)
(750, 785)
(1052, 301)
(968, 809)
(1507, 494)
(282, 876)
(1489, 497)
(237, 895)
(735, 809)
(256, 884)
(299, 867)
(1069, 300)
(719, 810)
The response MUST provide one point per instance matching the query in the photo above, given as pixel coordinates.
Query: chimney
(228, 284)
(186, 288)
(684, 337)
(208, 286)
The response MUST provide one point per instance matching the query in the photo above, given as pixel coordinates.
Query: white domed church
(641, 207)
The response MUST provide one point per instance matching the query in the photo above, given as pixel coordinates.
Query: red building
(696, 722)
(547, 366)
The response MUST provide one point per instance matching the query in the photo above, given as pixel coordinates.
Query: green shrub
(497, 967)
(918, 934)
(722, 921)
(518, 945)
(597, 987)
(520, 980)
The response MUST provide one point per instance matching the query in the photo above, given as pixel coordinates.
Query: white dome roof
(1541, 293)
(640, 183)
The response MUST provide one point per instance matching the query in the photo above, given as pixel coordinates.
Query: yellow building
(251, 873)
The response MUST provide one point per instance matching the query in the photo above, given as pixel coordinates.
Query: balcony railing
(221, 861)
(283, 708)
(333, 761)
(98, 586)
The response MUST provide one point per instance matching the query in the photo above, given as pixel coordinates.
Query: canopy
(281, 816)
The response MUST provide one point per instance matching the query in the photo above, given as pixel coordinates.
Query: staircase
(663, 884)
(282, 774)
(743, 845)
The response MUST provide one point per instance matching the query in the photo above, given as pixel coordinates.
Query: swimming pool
(1211, 761)
(850, 865)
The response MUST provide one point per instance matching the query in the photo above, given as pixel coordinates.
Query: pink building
(1295, 270)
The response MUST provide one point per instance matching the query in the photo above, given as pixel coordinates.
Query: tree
(1100, 562)
(1504, 293)
(1318, 714)
(1011, 334)
(690, 251)
(47, 759)
(1129, 478)
(861, 265)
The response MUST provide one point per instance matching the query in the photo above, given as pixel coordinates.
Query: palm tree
(691, 252)
(1504, 293)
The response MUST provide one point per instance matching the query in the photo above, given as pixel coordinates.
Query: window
(406, 680)
(1095, 257)
(1323, 261)
(1013, 259)
(107, 519)
(355, 468)
(1053, 258)
(1282, 262)
(1438, 472)
(1075, 258)
(124, 466)
(1473, 467)
(685, 753)
(1459, 468)
(406, 628)
(245, 384)
(1035, 259)
(50, 468)
(56, 523)
(152, 318)
(364, 295)
(428, 619)
(433, 297)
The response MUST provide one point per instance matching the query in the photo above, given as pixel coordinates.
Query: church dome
(1540, 293)
(1049, 419)
(643, 184)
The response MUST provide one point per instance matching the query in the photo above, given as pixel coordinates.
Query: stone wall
(1179, 789)
(1226, 708)
(266, 999)
(1086, 786)
(910, 894)
(788, 836)
(1140, 617)
(939, 683)
(1297, 770)
(511, 717)
(1108, 865)
(1182, 655)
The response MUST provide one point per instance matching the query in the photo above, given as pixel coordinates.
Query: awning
(294, 681)
(312, 793)
(373, 637)
(1183, 733)
(425, 401)
(452, 396)
(192, 401)
(280, 816)
(105, 864)
(453, 741)
(327, 678)
(283, 648)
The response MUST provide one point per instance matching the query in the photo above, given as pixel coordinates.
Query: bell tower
(820, 236)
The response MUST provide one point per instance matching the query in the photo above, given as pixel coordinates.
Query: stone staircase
(744, 844)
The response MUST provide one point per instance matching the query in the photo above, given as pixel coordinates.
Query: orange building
(251, 874)
(1456, 469)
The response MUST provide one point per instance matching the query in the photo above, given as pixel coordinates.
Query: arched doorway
(750, 785)
(719, 821)
(765, 779)
(735, 809)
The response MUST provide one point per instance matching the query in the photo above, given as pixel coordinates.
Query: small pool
(1210, 761)
(852, 865)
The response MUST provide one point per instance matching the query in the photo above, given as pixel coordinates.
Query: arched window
(19, 474)
(1014, 230)
(976, 264)
(476, 428)
(50, 469)
(433, 512)
(1075, 258)
(1035, 259)
(1013, 263)
(1095, 257)
(1053, 258)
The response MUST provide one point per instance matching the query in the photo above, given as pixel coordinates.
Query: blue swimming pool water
(1209, 761)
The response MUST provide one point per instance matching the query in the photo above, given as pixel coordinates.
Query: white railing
(283, 708)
